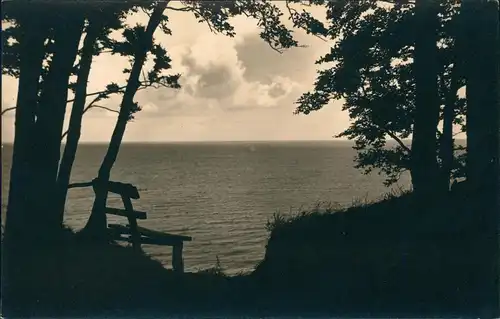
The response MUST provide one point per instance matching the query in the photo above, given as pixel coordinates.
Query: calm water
(221, 194)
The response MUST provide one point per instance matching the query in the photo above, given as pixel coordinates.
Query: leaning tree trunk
(425, 169)
(96, 225)
(75, 122)
(50, 121)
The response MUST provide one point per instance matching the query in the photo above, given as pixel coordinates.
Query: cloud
(277, 90)
(214, 80)
(232, 88)
(261, 62)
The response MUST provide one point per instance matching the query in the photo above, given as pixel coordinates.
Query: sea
(220, 193)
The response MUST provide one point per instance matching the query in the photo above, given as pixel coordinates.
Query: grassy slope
(383, 256)
(374, 257)
(77, 278)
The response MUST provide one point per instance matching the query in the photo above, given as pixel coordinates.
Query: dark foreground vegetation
(384, 258)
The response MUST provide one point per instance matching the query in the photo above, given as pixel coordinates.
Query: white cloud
(220, 75)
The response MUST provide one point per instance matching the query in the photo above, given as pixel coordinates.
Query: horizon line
(224, 141)
(202, 141)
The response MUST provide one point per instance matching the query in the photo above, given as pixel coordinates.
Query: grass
(279, 220)
(389, 255)
(385, 256)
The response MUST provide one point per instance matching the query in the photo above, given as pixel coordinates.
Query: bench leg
(135, 235)
(177, 262)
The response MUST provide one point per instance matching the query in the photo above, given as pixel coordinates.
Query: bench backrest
(122, 189)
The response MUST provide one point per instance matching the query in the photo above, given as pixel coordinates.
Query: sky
(233, 89)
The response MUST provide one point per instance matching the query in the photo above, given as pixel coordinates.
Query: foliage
(371, 69)
(111, 16)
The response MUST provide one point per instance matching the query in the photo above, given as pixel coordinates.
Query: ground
(386, 257)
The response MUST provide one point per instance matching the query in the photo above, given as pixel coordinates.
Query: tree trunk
(96, 225)
(490, 178)
(50, 121)
(75, 123)
(447, 142)
(32, 53)
(481, 90)
(19, 228)
(425, 169)
(481, 31)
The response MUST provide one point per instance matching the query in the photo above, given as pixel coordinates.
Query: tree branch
(204, 18)
(398, 140)
(146, 12)
(97, 93)
(121, 88)
(293, 11)
(185, 9)
(144, 85)
(8, 110)
(91, 105)
(80, 185)
(101, 107)
(388, 132)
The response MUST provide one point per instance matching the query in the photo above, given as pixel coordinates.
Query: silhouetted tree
(424, 166)
(101, 21)
(480, 27)
(140, 41)
(24, 222)
(373, 71)
(24, 61)
(48, 180)
(51, 112)
(60, 39)
(482, 53)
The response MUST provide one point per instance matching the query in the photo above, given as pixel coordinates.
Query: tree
(100, 24)
(480, 26)
(371, 67)
(482, 52)
(140, 40)
(424, 166)
(62, 30)
(50, 116)
(47, 179)
(34, 22)
(25, 62)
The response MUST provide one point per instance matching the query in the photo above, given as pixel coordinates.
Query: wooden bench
(137, 235)
(151, 237)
